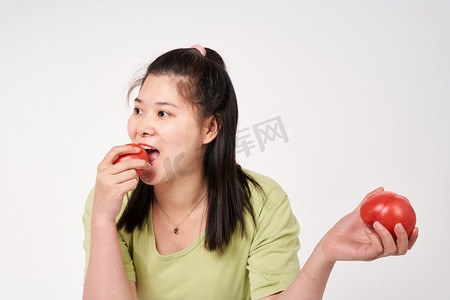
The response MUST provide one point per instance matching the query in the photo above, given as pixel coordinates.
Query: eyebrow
(159, 103)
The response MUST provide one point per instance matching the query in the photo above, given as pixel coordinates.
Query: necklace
(176, 230)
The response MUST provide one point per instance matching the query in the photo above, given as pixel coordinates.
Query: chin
(153, 177)
(149, 179)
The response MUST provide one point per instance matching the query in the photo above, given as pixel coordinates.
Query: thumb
(375, 191)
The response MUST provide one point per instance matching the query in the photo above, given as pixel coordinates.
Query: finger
(125, 176)
(130, 164)
(375, 242)
(389, 245)
(107, 186)
(413, 237)
(375, 191)
(402, 239)
(116, 151)
(119, 190)
(130, 185)
(111, 182)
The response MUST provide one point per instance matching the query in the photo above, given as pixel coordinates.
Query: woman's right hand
(113, 181)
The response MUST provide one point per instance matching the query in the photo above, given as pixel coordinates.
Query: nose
(143, 125)
(145, 128)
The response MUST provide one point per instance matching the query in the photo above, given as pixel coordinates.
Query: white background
(362, 88)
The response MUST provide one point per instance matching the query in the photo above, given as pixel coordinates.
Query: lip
(148, 148)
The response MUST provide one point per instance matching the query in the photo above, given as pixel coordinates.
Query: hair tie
(200, 49)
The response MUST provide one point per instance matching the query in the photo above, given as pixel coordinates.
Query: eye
(137, 111)
(163, 114)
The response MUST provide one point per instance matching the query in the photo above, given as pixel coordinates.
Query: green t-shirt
(252, 267)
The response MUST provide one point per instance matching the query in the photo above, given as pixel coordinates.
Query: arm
(105, 277)
(349, 239)
(311, 280)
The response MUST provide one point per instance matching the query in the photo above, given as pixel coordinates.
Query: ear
(211, 128)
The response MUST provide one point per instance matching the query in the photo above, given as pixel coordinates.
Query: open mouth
(152, 153)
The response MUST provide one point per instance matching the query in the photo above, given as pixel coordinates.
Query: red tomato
(140, 155)
(388, 208)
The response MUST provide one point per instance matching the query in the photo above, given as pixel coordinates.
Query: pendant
(175, 230)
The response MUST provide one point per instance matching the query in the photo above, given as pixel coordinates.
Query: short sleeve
(124, 245)
(273, 261)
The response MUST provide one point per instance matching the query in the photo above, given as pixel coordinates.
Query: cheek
(174, 134)
(179, 139)
(131, 128)
(176, 140)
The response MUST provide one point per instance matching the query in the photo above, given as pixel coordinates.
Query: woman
(194, 225)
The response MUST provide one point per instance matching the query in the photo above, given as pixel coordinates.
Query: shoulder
(266, 182)
(269, 195)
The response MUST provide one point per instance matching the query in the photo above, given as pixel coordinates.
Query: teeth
(147, 147)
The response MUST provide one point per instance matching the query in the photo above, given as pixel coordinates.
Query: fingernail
(400, 228)
(377, 225)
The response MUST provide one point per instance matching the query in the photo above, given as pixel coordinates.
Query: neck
(181, 194)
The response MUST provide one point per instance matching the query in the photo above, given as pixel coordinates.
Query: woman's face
(164, 121)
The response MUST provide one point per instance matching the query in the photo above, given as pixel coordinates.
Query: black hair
(204, 83)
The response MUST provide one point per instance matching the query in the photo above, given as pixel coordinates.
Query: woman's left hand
(352, 239)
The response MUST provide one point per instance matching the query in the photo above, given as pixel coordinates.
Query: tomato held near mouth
(140, 155)
(389, 209)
